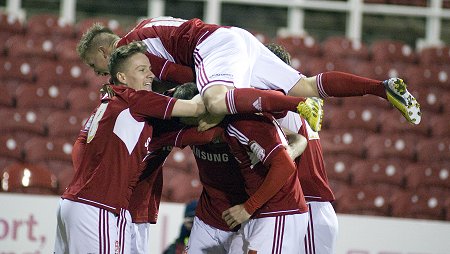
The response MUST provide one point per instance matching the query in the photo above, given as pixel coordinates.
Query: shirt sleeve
(169, 71)
(144, 104)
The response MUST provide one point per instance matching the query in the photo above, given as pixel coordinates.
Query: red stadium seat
(10, 23)
(6, 99)
(181, 159)
(380, 171)
(368, 200)
(440, 125)
(38, 97)
(434, 56)
(22, 120)
(319, 65)
(394, 122)
(338, 47)
(446, 106)
(49, 25)
(433, 149)
(366, 101)
(351, 117)
(300, 45)
(40, 149)
(34, 48)
(182, 187)
(338, 167)
(425, 175)
(422, 204)
(17, 69)
(64, 73)
(83, 99)
(27, 178)
(65, 124)
(11, 147)
(428, 76)
(386, 51)
(391, 146)
(343, 141)
(66, 51)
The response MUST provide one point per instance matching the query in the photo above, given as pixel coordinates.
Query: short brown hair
(280, 51)
(121, 54)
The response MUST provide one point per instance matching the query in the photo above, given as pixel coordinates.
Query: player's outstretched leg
(311, 110)
(404, 101)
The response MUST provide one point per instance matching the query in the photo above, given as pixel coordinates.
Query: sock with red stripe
(340, 84)
(251, 100)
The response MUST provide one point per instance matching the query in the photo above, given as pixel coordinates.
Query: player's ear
(121, 77)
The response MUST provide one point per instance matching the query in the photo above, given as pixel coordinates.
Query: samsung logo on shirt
(213, 157)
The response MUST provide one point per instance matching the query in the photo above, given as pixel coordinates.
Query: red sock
(340, 84)
(251, 100)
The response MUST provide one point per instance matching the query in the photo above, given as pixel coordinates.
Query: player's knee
(214, 106)
(214, 100)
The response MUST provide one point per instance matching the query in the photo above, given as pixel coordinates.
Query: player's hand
(207, 121)
(235, 215)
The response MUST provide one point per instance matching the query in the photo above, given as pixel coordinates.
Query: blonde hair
(96, 35)
(121, 55)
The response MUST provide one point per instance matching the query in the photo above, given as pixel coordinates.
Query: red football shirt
(108, 153)
(146, 197)
(223, 184)
(255, 140)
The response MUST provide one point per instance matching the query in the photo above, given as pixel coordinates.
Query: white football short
(322, 229)
(274, 235)
(83, 228)
(140, 238)
(234, 57)
(207, 239)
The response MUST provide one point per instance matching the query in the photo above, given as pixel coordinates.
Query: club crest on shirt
(257, 151)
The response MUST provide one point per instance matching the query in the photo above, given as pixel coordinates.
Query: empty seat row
(388, 171)
(388, 201)
(51, 25)
(380, 120)
(386, 145)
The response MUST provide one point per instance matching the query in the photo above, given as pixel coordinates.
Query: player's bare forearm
(235, 216)
(189, 108)
(297, 144)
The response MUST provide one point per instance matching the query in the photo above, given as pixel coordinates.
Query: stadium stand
(379, 171)
(28, 178)
(377, 164)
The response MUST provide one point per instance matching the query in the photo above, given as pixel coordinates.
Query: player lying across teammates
(126, 178)
(224, 58)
